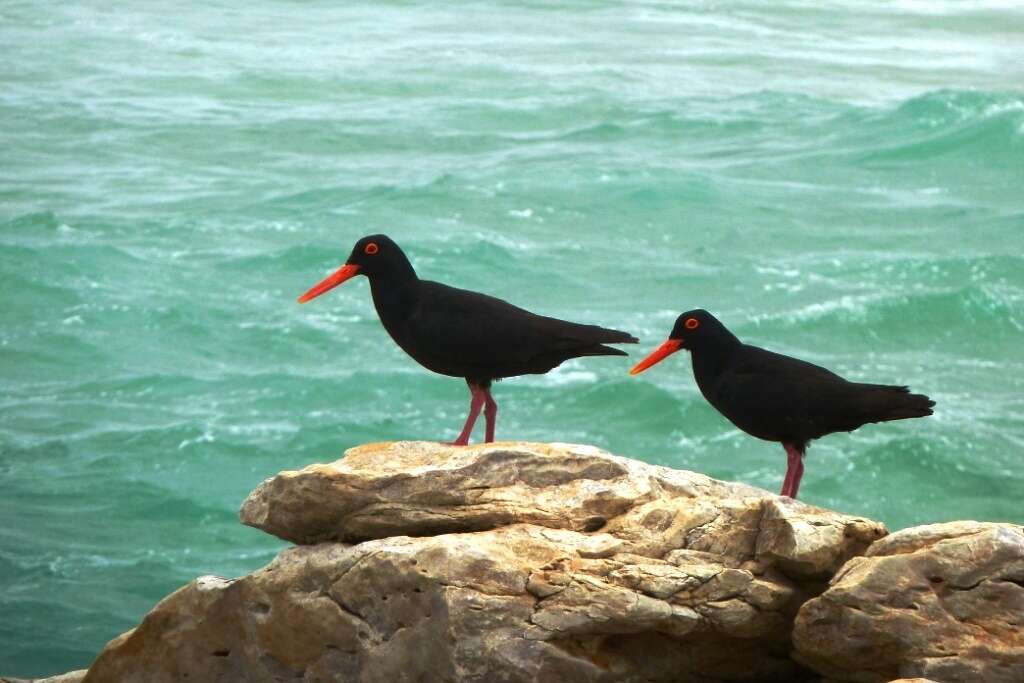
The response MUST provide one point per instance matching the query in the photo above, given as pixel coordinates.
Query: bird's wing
(782, 398)
(761, 362)
(472, 328)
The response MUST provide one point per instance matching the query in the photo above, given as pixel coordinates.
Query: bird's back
(468, 334)
(780, 398)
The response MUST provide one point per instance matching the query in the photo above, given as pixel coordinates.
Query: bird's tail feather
(897, 403)
(601, 350)
(603, 335)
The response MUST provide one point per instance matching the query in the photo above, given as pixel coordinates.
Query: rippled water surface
(841, 181)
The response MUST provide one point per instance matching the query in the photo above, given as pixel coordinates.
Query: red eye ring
(371, 248)
(691, 323)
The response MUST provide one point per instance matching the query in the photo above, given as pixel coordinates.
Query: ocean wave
(950, 106)
(975, 312)
(977, 125)
(309, 258)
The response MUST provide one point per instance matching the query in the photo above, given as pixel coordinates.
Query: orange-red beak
(659, 354)
(330, 282)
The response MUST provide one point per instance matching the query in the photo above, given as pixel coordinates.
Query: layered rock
(505, 562)
(944, 602)
(422, 489)
(532, 562)
(515, 604)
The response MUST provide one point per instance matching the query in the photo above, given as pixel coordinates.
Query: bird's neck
(710, 361)
(394, 292)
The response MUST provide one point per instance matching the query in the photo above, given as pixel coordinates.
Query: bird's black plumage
(780, 398)
(462, 333)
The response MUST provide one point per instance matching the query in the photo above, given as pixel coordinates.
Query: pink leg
(490, 414)
(798, 475)
(787, 482)
(476, 402)
(794, 470)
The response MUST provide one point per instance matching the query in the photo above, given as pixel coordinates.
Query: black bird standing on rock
(778, 398)
(461, 333)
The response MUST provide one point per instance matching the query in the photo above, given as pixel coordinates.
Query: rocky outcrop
(944, 601)
(428, 489)
(515, 604)
(504, 562)
(534, 562)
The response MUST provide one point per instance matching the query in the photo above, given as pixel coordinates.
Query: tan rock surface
(423, 488)
(503, 562)
(943, 601)
(520, 603)
(532, 562)
(69, 677)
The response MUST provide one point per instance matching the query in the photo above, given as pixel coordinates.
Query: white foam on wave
(205, 437)
(330, 322)
(505, 241)
(856, 305)
(947, 7)
(783, 272)
(263, 429)
(564, 376)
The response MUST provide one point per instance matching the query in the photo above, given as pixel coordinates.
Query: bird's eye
(691, 323)
(371, 248)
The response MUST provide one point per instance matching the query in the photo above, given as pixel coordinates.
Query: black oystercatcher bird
(461, 333)
(778, 398)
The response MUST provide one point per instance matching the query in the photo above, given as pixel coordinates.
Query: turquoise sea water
(840, 181)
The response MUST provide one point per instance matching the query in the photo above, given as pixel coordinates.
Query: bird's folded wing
(761, 362)
(474, 327)
(787, 396)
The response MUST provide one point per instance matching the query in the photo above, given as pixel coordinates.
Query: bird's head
(372, 255)
(694, 331)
